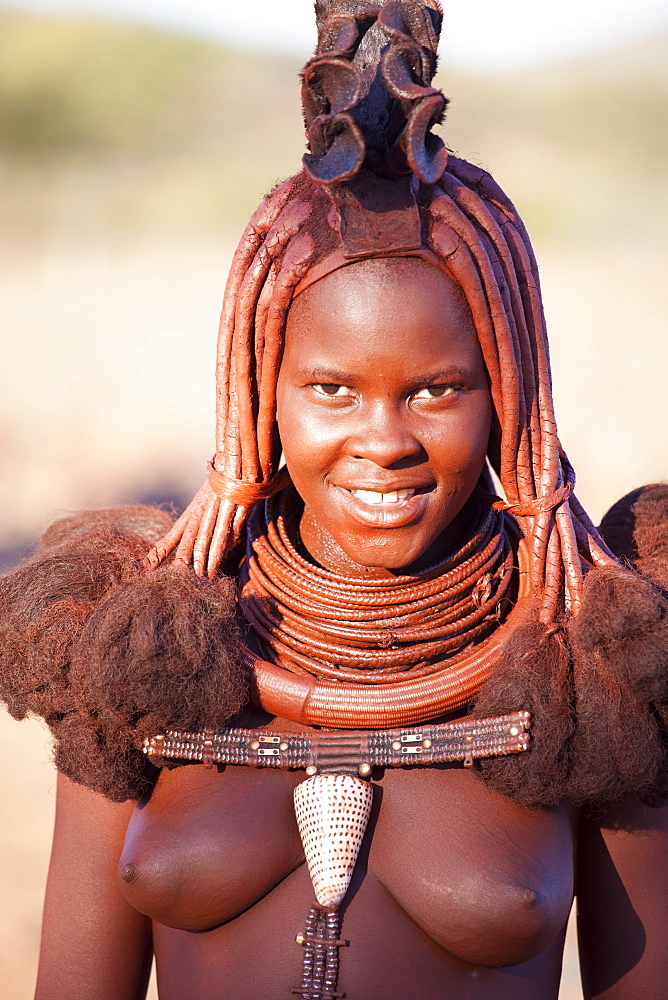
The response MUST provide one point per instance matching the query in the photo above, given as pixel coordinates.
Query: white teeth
(371, 497)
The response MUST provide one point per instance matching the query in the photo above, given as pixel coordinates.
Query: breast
(208, 845)
(488, 881)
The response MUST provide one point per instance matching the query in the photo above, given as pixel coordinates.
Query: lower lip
(385, 515)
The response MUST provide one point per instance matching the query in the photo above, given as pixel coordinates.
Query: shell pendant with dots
(332, 814)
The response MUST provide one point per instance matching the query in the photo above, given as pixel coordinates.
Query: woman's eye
(434, 392)
(331, 389)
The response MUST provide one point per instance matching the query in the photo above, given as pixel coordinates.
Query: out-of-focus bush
(128, 129)
(80, 86)
(582, 146)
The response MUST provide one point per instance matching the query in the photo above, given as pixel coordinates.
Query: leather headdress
(369, 108)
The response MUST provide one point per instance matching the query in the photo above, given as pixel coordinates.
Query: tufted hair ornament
(105, 654)
(596, 684)
(367, 94)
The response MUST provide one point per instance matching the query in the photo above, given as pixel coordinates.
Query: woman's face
(384, 412)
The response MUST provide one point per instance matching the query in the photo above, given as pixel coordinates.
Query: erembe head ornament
(369, 108)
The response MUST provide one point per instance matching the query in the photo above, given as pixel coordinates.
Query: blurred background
(137, 136)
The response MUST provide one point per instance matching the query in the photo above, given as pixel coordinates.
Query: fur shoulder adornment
(597, 686)
(636, 529)
(107, 652)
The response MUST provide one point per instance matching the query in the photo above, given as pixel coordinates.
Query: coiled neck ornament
(351, 653)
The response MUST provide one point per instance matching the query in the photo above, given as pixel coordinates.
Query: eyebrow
(325, 375)
(334, 376)
(442, 375)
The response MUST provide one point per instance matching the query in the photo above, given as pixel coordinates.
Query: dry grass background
(130, 161)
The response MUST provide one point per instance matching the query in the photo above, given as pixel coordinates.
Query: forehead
(401, 307)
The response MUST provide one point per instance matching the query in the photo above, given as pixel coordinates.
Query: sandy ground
(106, 395)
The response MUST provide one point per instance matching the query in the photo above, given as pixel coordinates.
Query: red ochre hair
(474, 230)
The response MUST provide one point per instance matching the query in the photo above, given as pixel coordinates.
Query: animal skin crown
(367, 95)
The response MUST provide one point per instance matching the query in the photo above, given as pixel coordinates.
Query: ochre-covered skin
(442, 890)
(459, 891)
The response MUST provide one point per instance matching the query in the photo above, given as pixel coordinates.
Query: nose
(382, 434)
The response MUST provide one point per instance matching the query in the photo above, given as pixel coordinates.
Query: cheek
(460, 445)
(308, 431)
(286, 422)
(307, 440)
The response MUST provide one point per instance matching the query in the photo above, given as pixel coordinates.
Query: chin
(410, 548)
(386, 554)
(346, 535)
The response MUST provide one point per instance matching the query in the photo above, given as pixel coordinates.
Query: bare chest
(486, 880)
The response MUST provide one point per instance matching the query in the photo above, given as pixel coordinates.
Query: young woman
(430, 714)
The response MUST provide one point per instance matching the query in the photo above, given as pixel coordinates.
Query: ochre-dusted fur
(597, 688)
(162, 651)
(635, 529)
(45, 603)
(107, 652)
(534, 675)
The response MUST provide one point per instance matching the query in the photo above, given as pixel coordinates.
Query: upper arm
(623, 904)
(94, 944)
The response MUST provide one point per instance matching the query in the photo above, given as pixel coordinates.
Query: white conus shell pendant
(332, 814)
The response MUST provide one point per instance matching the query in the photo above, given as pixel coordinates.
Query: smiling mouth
(373, 499)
